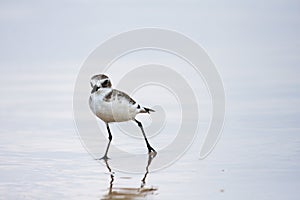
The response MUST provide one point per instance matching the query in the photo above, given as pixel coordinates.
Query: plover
(111, 105)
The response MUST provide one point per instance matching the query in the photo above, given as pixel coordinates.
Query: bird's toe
(103, 158)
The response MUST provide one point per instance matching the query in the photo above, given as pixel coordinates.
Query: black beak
(95, 88)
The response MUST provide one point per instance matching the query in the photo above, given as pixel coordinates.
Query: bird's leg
(110, 138)
(147, 143)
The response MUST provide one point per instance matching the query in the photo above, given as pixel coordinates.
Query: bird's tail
(147, 110)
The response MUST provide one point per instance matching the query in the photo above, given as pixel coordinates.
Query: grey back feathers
(118, 95)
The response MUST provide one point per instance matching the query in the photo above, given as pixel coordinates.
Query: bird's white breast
(114, 109)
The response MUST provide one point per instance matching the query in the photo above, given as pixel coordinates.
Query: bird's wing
(119, 96)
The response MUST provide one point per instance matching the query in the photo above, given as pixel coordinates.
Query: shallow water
(256, 50)
(41, 155)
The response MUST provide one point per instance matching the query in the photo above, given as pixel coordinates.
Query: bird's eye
(105, 83)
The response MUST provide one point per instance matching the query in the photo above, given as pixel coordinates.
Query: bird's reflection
(129, 193)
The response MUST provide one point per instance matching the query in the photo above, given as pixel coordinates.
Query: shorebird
(111, 105)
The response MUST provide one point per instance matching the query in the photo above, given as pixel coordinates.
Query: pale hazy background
(255, 46)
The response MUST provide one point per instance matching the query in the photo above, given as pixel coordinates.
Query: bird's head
(100, 81)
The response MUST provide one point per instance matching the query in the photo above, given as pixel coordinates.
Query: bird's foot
(151, 151)
(105, 158)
